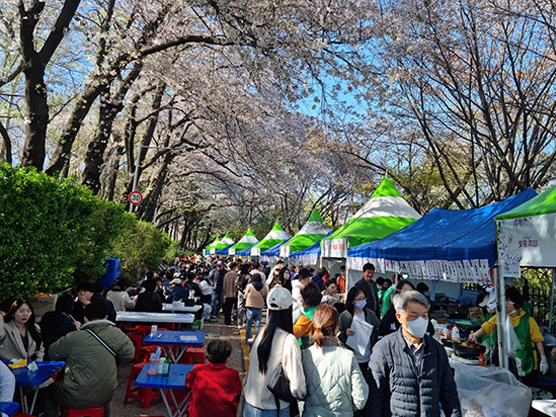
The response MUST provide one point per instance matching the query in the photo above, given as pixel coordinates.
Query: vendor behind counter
(528, 333)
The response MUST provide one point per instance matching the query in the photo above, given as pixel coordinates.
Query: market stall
(385, 213)
(245, 242)
(221, 248)
(273, 238)
(312, 232)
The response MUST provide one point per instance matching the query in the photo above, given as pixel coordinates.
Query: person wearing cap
(216, 278)
(178, 292)
(274, 349)
(302, 278)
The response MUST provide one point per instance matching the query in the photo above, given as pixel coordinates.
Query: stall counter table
(26, 378)
(176, 381)
(181, 339)
(9, 408)
(181, 309)
(547, 407)
(144, 317)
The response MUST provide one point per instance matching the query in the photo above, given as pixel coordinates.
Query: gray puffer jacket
(399, 390)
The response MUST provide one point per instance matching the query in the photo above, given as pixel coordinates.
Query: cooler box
(112, 272)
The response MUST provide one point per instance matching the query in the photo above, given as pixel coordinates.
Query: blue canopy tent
(451, 245)
(224, 251)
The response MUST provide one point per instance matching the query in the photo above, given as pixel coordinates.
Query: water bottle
(455, 333)
(166, 366)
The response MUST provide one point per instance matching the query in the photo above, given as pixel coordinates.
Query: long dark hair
(64, 306)
(401, 283)
(352, 293)
(31, 328)
(287, 282)
(276, 318)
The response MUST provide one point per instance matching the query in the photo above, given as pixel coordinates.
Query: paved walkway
(239, 361)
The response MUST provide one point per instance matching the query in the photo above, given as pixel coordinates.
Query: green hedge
(54, 233)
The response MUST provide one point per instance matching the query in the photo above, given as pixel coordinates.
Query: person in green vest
(303, 328)
(528, 333)
(387, 296)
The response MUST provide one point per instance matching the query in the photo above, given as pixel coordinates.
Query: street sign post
(135, 197)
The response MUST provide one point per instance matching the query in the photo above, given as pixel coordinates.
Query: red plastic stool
(86, 412)
(193, 355)
(146, 350)
(145, 395)
(137, 341)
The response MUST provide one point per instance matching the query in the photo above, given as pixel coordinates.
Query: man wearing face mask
(410, 373)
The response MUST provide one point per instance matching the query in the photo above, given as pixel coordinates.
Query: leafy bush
(54, 233)
(43, 224)
(140, 246)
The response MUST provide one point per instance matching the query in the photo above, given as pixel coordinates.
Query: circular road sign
(135, 197)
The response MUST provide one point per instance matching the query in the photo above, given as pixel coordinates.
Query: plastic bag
(512, 341)
(490, 392)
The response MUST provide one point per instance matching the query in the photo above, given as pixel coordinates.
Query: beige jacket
(11, 343)
(255, 298)
(230, 290)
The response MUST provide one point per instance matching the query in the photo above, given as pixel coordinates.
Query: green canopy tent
(212, 246)
(386, 212)
(247, 240)
(312, 231)
(225, 242)
(526, 237)
(275, 236)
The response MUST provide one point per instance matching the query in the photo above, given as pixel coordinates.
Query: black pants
(364, 366)
(228, 307)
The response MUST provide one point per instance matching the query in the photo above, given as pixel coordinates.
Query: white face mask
(360, 304)
(417, 327)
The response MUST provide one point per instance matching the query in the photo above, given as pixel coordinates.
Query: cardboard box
(43, 304)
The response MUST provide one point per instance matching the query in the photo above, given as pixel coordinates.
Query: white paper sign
(360, 342)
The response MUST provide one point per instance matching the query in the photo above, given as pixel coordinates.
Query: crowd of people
(324, 351)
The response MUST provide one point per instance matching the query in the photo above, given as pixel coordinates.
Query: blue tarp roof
(275, 250)
(246, 251)
(314, 249)
(442, 234)
(224, 251)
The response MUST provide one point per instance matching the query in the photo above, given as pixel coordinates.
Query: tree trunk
(113, 173)
(34, 67)
(7, 144)
(37, 117)
(95, 152)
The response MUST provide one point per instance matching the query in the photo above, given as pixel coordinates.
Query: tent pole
(501, 317)
(551, 301)
(346, 264)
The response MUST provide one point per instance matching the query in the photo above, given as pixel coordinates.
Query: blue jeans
(250, 411)
(251, 314)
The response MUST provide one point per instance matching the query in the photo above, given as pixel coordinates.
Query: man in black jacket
(368, 286)
(410, 373)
